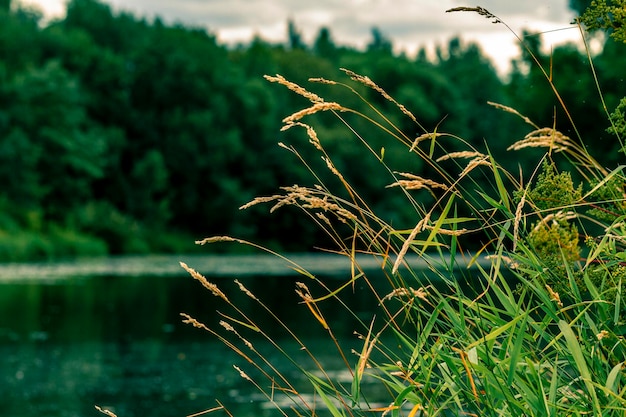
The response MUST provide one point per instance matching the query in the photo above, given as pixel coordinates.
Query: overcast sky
(410, 24)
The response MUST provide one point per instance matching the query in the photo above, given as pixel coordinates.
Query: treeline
(122, 135)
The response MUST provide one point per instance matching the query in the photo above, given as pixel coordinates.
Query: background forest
(122, 135)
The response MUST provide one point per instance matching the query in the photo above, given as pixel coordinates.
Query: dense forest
(124, 135)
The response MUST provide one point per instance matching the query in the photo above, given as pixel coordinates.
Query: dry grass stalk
(478, 161)
(314, 98)
(304, 293)
(195, 323)
(615, 226)
(513, 111)
(242, 373)
(216, 239)
(415, 182)
(311, 133)
(464, 154)
(245, 290)
(448, 232)
(616, 232)
(602, 334)
(260, 200)
(315, 108)
(406, 374)
(365, 355)
(407, 243)
(322, 81)
(464, 359)
(371, 84)
(420, 293)
(205, 283)
(324, 219)
(282, 145)
(543, 138)
(618, 238)
(323, 204)
(508, 261)
(307, 198)
(334, 170)
(480, 10)
(386, 410)
(425, 136)
(554, 296)
(555, 217)
(105, 412)
(228, 327)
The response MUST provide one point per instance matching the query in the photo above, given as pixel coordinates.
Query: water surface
(108, 332)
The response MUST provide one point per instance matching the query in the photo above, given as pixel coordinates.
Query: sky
(409, 24)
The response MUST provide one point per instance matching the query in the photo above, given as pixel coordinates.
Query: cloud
(537, 9)
(410, 24)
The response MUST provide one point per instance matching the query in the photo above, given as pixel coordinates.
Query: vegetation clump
(607, 16)
(529, 322)
(486, 303)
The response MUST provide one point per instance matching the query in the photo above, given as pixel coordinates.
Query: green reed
(531, 322)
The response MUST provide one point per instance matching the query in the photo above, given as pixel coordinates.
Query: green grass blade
(504, 194)
(495, 333)
(579, 359)
(330, 405)
(438, 224)
(517, 349)
(613, 379)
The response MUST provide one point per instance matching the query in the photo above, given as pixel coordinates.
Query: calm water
(108, 332)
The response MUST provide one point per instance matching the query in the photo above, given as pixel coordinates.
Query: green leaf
(330, 405)
(504, 195)
(495, 333)
(517, 348)
(579, 359)
(438, 225)
(613, 379)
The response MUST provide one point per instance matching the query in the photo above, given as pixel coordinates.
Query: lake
(108, 332)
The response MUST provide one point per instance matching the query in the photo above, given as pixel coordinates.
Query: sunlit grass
(520, 311)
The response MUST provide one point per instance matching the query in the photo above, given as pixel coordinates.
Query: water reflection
(118, 341)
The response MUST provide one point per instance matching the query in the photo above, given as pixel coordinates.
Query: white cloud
(51, 8)
(410, 24)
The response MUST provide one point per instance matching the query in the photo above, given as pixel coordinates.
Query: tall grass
(531, 322)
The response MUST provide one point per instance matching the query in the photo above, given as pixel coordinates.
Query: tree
(117, 32)
(379, 42)
(50, 154)
(579, 6)
(294, 37)
(324, 45)
(572, 77)
(19, 40)
(477, 83)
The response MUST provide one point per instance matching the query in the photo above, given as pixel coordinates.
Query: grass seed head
(315, 108)
(415, 182)
(314, 98)
(205, 283)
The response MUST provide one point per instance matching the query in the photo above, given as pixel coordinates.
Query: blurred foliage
(608, 16)
(579, 6)
(121, 129)
(618, 121)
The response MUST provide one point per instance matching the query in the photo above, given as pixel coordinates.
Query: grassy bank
(540, 330)
(57, 243)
